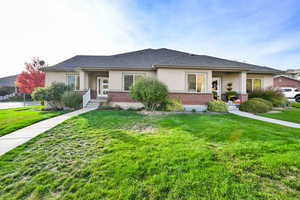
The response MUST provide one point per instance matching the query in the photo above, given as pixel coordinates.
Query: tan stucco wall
(51, 77)
(175, 79)
(234, 78)
(58, 77)
(116, 78)
(267, 80)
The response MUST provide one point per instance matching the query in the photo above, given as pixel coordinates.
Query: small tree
(150, 92)
(52, 94)
(40, 94)
(32, 78)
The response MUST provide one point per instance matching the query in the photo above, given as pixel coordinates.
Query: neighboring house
(189, 77)
(8, 87)
(8, 81)
(286, 81)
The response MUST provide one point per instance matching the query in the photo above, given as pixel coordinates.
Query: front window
(73, 81)
(253, 84)
(257, 84)
(130, 79)
(196, 82)
(249, 85)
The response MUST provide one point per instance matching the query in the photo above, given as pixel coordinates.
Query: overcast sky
(264, 32)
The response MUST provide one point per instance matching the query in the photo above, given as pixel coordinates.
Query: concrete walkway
(265, 119)
(18, 137)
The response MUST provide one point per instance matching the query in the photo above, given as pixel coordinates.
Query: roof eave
(105, 68)
(201, 67)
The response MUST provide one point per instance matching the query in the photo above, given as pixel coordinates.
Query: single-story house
(8, 81)
(286, 81)
(191, 78)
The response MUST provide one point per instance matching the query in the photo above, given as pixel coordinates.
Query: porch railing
(86, 98)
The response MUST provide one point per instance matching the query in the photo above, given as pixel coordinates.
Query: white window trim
(130, 73)
(252, 86)
(75, 80)
(196, 73)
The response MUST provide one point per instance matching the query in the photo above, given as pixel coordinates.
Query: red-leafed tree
(32, 77)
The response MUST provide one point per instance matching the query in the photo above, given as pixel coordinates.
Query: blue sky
(262, 32)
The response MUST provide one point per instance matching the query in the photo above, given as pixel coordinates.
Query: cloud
(57, 29)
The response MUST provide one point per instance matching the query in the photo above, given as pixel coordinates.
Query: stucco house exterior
(189, 77)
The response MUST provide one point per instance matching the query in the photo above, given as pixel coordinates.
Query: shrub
(6, 90)
(231, 95)
(295, 104)
(217, 106)
(271, 94)
(255, 106)
(280, 102)
(150, 92)
(72, 99)
(52, 94)
(269, 103)
(173, 104)
(40, 94)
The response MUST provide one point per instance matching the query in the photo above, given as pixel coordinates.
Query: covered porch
(95, 81)
(225, 81)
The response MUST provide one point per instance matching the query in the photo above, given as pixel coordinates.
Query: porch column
(209, 81)
(84, 80)
(243, 82)
(243, 87)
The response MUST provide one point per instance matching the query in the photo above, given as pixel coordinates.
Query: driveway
(6, 105)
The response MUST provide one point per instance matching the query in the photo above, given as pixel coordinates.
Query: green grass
(125, 155)
(16, 118)
(291, 115)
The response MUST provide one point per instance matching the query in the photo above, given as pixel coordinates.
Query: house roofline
(199, 67)
(287, 77)
(157, 66)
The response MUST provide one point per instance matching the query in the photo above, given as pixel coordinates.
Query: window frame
(134, 74)
(77, 81)
(205, 82)
(252, 83)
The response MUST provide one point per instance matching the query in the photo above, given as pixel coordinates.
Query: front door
(102, 86)
(216, 87)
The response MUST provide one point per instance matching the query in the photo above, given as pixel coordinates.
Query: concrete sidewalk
(21, 136)
(265, 119)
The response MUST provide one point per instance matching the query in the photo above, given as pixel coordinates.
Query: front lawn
(16, 118)
(291, 115)
(125, 155)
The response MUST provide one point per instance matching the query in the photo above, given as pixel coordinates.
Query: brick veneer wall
(282, 81)
(186, 98)
(120, 97)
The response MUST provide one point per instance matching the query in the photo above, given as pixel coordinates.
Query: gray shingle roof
(8, 81)
(150, 58)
